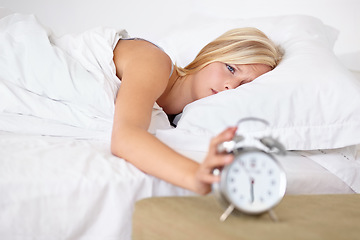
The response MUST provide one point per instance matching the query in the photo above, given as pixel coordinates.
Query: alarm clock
(255, 182)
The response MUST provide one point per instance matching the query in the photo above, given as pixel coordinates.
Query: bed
(58, 178)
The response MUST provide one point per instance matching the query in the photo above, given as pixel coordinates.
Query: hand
(204, 177)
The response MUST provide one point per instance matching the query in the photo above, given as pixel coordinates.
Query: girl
(148, 77)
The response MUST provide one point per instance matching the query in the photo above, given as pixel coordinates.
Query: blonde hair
(237, 46)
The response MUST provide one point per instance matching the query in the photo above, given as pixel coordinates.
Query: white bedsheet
(63, 188)
(66, 188)
(344, 163)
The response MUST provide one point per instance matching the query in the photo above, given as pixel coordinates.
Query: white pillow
(310, 100)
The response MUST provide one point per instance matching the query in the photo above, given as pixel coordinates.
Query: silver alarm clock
(254, 182)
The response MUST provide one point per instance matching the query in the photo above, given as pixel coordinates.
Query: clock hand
(252, 181)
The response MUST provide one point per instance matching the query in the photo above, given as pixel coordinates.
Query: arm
(144, 75)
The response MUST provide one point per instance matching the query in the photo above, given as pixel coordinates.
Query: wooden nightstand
(300, 217)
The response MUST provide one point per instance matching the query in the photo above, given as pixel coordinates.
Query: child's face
(217, 77)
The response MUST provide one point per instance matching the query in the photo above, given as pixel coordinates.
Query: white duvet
(41, 81)
(58, 179)
(70, 81)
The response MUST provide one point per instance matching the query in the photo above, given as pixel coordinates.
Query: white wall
(144, 17)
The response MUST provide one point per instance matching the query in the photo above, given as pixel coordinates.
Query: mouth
(214, 91)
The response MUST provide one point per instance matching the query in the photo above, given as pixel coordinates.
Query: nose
(229, 86)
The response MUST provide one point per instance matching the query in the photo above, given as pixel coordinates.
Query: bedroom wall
(144, 17)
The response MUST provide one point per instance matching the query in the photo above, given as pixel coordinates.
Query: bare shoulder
(140, 54)
(144, 70)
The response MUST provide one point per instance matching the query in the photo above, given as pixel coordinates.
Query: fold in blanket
(68, 81)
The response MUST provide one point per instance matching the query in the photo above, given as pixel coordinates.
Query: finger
(227, 135)
(220, 160)
(217, 161)
(210, 178)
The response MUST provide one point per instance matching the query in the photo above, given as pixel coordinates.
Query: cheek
(201, 86)
(199, 89)
(212, 79)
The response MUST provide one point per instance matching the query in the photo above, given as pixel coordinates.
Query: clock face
(254, 182)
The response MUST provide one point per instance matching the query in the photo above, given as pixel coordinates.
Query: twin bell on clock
(254, 183)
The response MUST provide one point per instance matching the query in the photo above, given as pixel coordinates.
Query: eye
(230, 68)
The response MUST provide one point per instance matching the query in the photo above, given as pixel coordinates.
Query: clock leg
(273, 216)
(227, 212)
